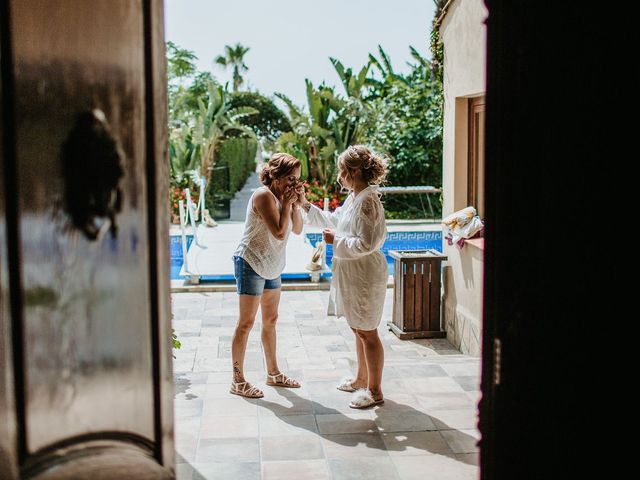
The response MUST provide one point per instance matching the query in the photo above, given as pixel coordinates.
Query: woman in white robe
(357, 230)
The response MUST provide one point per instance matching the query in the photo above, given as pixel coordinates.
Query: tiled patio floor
(425, 429)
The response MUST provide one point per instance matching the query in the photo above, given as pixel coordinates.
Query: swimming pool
(396, 240)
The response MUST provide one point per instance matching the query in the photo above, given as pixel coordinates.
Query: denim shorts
(248, 282)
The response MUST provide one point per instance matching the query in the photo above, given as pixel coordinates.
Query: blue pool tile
(394, 241)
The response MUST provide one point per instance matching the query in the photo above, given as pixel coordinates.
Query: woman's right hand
(302, 197)
(290, 196)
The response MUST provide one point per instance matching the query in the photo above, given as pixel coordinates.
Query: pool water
(394, 241)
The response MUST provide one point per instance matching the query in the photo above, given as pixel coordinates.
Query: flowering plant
(176, 193)
(315, 194)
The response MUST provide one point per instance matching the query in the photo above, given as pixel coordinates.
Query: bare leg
(248, 309)
(374, 355)
(269, 308)
(362, 377)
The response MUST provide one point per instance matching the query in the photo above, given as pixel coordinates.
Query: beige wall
(463, 34)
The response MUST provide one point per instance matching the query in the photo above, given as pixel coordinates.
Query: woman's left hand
(302, 197)
(328, 236)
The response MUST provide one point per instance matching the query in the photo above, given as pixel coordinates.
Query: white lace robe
(359, 268)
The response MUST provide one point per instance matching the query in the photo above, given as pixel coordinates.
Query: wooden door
(551, 135)
(84, 305)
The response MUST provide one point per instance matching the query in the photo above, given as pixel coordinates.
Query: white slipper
(345, 385)
(362, 398)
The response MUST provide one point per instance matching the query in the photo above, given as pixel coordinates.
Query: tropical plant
(181, 63)
(214, 121)
(333, 122)
(379, 88)
(313, 139)
(192, 147)
(406, 124)
(234, 58)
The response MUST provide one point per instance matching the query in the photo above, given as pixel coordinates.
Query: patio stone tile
(212, 364)
(229, 427)
(468, 383)
(332, 402)
(469, 458)
(433, 384)
(400, 402)
(225, 449)
(232, 405)
(218, 377)
(377, 468)
(403, 421)
(218, 390)
(459, 418)
(188, 408)
(337, 423)
(461, 441)
(462, 369)
(321, 387)
(296, 470)
(272, 425)
(400, 444)
(184, 471)
(226, 470)
(407, 371)
(328, 374)
(444, 401)
(291, 447)
(353, 445)
(281, 405)
(440, 467)
(188, 429)
(186, 449)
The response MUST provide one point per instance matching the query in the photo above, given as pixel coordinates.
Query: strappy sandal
(245, 389)
(281, 380)
(362, 398)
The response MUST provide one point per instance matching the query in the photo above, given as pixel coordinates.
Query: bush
(407, 126)
(269, 123)
(238, 155)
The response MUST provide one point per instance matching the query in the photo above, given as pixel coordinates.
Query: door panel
(87, 336)
(7, 412)
(84, 293)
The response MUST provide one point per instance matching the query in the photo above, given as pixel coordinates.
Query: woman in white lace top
(272, 213)
(357, 230)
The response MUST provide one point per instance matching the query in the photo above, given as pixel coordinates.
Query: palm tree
(234, 57)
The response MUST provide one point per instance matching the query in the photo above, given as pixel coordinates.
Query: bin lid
(429, 253)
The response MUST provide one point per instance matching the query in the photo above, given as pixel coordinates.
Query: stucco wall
(463, 34)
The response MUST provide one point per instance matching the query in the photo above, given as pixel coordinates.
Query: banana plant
(184, 154)
(214, 121)
(193, 146)
(389, 76)
(353, 84)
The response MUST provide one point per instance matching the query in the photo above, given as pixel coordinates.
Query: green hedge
(235, 160)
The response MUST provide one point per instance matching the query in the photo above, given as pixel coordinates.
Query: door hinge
(497, 360)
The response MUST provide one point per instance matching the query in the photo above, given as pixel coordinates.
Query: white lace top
(260, 249)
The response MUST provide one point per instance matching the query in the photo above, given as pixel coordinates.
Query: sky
(291, 40)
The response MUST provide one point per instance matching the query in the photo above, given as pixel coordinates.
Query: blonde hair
(280, 165)
(359, 157)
